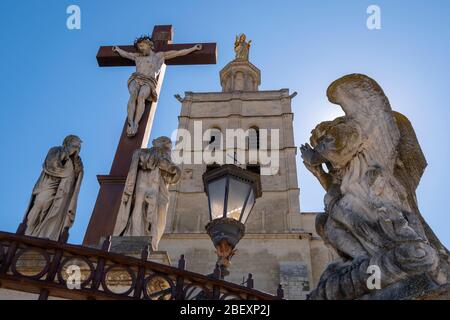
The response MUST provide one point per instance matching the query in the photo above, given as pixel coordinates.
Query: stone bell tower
(240, 75)
(280, 245)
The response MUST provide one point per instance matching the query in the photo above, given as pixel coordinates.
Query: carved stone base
(409, 289)
(133, 246)
(440, 293)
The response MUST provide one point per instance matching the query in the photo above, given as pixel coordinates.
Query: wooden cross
(106, 208)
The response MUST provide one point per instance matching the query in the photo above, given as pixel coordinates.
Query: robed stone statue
(54, 198)
(145, 199)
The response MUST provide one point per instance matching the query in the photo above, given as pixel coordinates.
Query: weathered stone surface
(145, 198)
(294, 277)
(440, 293)
(142, 84)
(262, 254)
(374, 164)
(130, 244)
(133, 246)
(276, 231)
(53, 201)
(405, 289)
(240, 75)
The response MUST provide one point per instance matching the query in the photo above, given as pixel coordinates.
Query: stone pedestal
(133, 246)
(411, 288)
(440, 293)
(240, 75)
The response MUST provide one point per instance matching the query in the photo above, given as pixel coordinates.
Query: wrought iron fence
(55, 268)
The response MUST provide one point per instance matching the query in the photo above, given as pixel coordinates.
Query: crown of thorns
(141, 39)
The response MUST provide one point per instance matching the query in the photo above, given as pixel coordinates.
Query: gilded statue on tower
(242, 47)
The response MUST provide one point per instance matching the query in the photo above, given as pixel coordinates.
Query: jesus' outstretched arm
(124, 54)
(178, 53)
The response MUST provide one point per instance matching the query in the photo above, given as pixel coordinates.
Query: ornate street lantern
(231, 192)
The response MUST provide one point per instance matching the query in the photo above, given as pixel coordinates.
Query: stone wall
(280, 245)
(272, 259)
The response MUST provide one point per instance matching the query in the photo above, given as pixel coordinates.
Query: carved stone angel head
(337, 141)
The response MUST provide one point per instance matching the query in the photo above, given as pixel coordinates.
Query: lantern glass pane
(248, 207)
(237, 193)
(216, 194)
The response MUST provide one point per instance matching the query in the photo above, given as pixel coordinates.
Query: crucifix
(150, 55)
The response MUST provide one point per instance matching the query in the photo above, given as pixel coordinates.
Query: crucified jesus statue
(142, 84)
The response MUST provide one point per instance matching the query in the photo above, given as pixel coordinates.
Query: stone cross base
(133, 246)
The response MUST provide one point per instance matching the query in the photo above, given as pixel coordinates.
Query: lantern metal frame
(226, 232)
(237, 173)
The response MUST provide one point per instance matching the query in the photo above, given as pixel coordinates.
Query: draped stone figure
(54, 198)
(374, 165)
(145, 199)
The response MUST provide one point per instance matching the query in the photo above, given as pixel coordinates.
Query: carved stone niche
(240, 75)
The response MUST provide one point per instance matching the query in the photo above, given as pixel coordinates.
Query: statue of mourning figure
(145, 199)
(142, 83)
(53, 201)
(374, 165)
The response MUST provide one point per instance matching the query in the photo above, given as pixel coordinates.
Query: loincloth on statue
(142, 80)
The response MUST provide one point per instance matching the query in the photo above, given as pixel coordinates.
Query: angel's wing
(409, 169)
(412, 162)
(363, 100)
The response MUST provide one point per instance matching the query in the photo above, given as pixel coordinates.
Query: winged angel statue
(370, 164)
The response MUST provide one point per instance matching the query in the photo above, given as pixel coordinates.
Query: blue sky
(51, 85)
